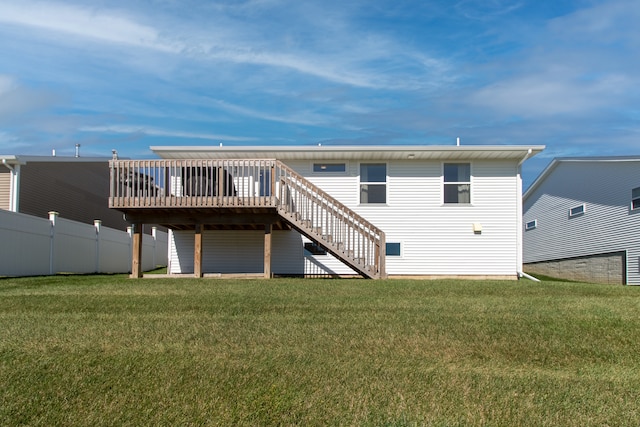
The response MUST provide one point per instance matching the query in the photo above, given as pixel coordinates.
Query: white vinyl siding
(609, 225)
(237, 251)
(437, 239)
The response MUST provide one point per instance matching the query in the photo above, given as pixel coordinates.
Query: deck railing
(191, 183)
(139, 184)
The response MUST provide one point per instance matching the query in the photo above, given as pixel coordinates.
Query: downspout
(14, 185)
(519, 236)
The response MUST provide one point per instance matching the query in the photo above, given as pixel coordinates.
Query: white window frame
(386, 184)
(531, 225)
(328, 173)
(635, 201)
(400, 255)
(582, 209)
(470, 183)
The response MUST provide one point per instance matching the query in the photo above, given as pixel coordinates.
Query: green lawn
(108, 350)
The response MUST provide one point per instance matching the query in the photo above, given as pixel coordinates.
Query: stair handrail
(363, 243)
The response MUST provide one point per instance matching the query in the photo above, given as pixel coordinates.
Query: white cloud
(151, 131)
(83, 22)
(540, 95)
(486, 9)
(581, 64)
(228, 38)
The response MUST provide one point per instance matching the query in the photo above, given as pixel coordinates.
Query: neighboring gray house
(76, 187)
(421, 211)
(582, 220)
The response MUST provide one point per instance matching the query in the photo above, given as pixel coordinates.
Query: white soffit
(419, 152)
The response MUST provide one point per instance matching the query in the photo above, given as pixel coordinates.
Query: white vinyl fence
(32, 246)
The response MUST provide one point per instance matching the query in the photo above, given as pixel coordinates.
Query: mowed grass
(108, 350)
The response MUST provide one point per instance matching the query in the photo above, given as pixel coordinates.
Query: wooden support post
(382, 256)
(197, 252)
(267, 250)
(136, 249)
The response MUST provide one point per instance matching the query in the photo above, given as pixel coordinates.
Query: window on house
(329, 167)
(373, 183)
(576, 211)
(531, 225)
(265, 183)
(635, 198)
(457, 183)
(393, 249)
(314, 249)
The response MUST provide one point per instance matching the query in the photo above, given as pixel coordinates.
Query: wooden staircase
(318, 216)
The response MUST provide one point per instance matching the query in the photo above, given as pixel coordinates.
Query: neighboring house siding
(233, 251)
(608, 224)
(5, 188)
(79, 191)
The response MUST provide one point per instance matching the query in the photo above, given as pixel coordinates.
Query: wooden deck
(243, 194)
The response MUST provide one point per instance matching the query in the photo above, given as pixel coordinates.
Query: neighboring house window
(329, 167)
(531, 225)
(393, 249)
(576, 211)
(314, 249)
(457, 182)
(635, 198)
(373, 183)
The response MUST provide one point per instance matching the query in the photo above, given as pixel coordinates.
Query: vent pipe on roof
(457, 141)
(53, 152)
(77, 150)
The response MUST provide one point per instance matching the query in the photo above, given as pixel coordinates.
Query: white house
(582, 220)
(376, 211)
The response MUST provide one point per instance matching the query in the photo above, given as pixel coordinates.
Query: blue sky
(129, 74)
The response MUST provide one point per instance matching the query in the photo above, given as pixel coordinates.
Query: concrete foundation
(607, 268)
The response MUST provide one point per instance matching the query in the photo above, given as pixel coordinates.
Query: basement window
(531, 225)
(577, 211)
(393, 249)
(635, 198)
(314, 249)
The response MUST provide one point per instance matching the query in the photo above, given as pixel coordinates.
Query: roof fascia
(320, 150)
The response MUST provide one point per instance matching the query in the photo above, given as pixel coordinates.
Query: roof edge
(345, 148)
